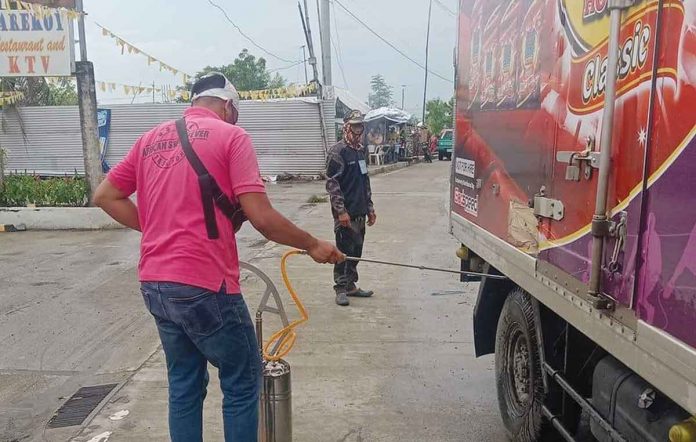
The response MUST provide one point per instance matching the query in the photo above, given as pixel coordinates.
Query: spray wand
(281, 342)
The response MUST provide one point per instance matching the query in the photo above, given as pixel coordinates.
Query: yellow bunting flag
(8, 98)
(41, 11)
(134, 50)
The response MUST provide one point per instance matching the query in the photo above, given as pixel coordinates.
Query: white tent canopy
(390, 113)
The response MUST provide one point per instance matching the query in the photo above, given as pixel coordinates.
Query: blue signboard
(104, 123)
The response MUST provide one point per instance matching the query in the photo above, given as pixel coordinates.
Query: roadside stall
(384, 129)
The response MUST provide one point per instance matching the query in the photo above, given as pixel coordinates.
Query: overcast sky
(192, 34)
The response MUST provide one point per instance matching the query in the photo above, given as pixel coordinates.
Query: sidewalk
(397, 367)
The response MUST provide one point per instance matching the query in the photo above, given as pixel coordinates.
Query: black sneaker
(360, 293)
(342, 299)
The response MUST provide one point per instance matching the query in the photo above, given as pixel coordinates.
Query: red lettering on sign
(589, 9)
(30, 59)
(44, 61)
(14, 66)
(594, 7)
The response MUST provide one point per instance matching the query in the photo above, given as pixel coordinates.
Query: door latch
(588, 159)
(618, 230)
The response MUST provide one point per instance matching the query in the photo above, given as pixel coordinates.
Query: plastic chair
(377, 157)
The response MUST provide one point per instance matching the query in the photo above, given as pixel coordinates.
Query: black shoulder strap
(211, 193)
(205, 181)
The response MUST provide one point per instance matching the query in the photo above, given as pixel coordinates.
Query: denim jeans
(197, 326)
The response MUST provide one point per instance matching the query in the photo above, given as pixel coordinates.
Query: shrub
(20, 190)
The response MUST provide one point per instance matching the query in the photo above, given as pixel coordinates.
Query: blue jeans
(198, 326)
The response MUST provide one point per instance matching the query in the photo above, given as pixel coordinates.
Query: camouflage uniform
(348, 185)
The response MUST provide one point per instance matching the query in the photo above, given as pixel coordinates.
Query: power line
(286, 67)
(417, 63)
(337, 49)
(251, 40)
(443, 6)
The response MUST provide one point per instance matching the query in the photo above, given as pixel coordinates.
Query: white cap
(216, 85)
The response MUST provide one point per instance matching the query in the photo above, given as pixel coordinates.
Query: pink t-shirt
(175, 245)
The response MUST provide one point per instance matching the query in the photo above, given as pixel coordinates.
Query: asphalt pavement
(395, 367)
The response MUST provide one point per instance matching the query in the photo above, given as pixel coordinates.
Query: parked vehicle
(444, 145)
(577, 185)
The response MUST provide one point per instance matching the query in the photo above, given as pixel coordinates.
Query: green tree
(247, 73)
(277, 81)
(63, 93)
(438, 114)
(381, 95)
(36, 91)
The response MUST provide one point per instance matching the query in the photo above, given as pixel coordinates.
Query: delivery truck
(574, 175)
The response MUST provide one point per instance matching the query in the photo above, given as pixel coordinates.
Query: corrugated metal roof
(287, 135)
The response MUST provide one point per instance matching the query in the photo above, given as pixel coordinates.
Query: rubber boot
(342, 299)
(360, 293)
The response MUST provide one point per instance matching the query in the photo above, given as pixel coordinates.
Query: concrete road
(397, 367)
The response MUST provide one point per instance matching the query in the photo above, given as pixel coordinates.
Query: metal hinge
(547, 207)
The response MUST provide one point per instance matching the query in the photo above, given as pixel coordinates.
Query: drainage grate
(80, 405)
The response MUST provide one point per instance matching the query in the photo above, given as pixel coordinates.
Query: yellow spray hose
(285, 338)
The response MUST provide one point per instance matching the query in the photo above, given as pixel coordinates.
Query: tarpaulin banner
(104, 124)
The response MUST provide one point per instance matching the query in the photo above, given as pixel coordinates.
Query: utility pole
(427, 47)
(308, 36)
(313, 62)
(304, 59)
(153, 92)
(403, 95)
(87, 102)
(325, 34)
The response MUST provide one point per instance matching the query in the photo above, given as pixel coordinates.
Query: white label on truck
(465, 167)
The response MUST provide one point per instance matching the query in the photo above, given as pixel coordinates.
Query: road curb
(10, 228)
(57, 218)
(392, 167)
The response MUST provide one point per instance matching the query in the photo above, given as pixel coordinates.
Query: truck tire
(440, 156)
(518, 370)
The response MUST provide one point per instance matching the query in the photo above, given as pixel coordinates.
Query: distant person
(348, 185)
(189, 270)
(433, 144)
(402, 140)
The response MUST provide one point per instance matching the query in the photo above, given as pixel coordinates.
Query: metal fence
(287, 135)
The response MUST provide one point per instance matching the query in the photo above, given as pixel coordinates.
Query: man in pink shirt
(190, 177)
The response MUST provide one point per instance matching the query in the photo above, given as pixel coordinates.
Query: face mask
(230, 115)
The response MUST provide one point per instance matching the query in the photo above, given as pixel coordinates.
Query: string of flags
(125, 46)
(11, 97)
(130, 90)
(291, 91)
(106, 86)
(40, 11)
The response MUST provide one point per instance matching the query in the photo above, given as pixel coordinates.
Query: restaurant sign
(35, 46)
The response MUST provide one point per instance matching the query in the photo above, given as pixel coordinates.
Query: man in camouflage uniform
(348, 185)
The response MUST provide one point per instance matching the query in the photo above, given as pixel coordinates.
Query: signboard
(70, 4)
(104, 124)
(34, 46)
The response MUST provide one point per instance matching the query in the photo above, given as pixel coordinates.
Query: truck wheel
(518, 370)
(440, 156)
